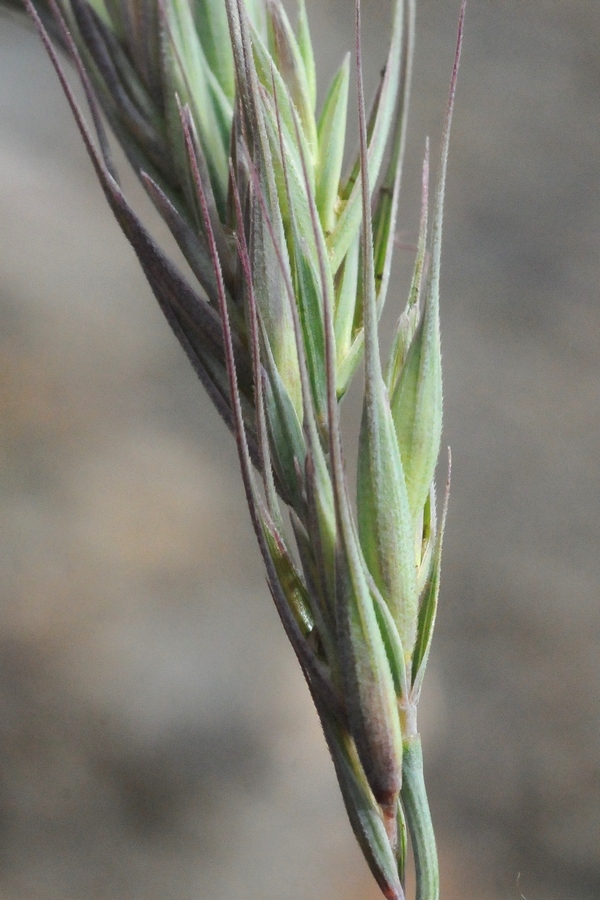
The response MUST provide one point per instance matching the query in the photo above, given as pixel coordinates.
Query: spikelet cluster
(215, 105)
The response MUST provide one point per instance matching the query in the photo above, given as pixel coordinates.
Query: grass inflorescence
(214, 103)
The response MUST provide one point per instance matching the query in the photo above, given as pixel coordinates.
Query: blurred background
(156, 739)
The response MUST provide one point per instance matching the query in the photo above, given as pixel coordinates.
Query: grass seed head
(214, 104)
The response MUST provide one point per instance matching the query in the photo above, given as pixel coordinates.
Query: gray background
(156, 740)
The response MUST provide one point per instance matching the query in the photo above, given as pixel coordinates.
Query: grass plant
(215, 104)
